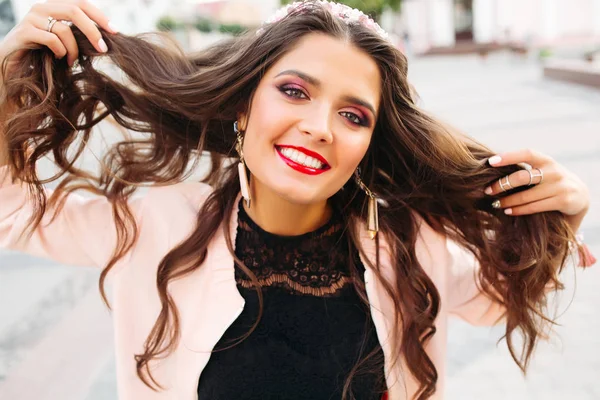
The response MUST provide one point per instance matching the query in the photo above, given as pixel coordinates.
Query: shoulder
(188, 194)
(441, 256)
(168, 214)
(430, 245)
(437, 254)
(175, 205)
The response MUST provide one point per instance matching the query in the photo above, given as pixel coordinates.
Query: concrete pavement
(506, 104)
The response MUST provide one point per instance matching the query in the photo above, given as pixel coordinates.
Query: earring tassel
(586, 259)
(373, 218)
(244, 187)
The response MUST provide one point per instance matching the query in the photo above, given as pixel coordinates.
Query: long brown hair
(186, 104)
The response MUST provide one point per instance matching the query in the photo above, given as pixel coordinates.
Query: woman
(331, 297)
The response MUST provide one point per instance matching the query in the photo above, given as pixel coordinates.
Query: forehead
(339, 65)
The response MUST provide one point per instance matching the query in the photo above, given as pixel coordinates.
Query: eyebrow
(317, 83)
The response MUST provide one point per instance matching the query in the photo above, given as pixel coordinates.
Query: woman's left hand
(553, 187)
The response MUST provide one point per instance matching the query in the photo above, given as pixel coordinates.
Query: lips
(316, 163)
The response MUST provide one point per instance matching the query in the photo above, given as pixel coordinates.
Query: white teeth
(301, 158)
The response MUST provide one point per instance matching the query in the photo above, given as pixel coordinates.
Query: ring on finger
(507, 184)
(51, 22)
(540, 175)
(530, 177)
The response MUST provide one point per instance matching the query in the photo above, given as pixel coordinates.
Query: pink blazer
(84, 234)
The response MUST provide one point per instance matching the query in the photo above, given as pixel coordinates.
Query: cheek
(268, 118)
(350, 153)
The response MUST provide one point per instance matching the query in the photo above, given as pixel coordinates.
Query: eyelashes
(297, 93)
(288, 90)
(355, 119)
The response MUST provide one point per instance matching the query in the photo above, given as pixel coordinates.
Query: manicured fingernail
(508, 211)
(112, 27)
(488, 190)
(102, 45)
(494, 160)
(496, 204)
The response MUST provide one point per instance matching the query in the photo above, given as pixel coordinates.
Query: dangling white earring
(373, 215)
(244, 186)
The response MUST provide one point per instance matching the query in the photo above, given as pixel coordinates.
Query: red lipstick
(303, 168)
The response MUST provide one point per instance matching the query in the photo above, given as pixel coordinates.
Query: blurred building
(134, 16)
(130, 16)
(446, 23)
(244, 12)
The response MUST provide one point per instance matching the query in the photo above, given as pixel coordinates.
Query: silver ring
(51, 22)
(507, 183)
(540, 175)
(530, 177)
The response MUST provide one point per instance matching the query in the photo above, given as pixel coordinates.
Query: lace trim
(315, 263)
(288, 283)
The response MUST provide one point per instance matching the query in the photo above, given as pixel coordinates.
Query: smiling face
(311, 119)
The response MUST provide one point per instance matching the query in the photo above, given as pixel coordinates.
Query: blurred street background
(512, 73)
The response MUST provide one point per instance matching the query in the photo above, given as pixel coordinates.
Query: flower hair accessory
(347, 14)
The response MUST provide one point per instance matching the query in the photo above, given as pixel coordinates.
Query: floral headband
(347, 14)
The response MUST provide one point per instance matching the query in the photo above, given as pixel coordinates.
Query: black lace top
(314, 328)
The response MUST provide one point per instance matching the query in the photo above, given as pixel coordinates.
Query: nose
(317, 124)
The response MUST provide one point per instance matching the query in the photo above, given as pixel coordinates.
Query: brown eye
(292, 92)
(355, 119)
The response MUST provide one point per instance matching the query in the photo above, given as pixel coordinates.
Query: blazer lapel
(399, 381)
(210, 303)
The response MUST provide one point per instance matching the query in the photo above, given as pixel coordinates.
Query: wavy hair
(185, 105)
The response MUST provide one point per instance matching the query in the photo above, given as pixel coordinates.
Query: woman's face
(311, 119)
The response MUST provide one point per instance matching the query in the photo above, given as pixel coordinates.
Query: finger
(75, 14)
(47, 39)
(525, 197)
(549, 204)
(93, 12)
(97, 16)
(64, 33)
(529, 156)
(520, 178)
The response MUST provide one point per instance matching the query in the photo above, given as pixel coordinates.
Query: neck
(279, 216)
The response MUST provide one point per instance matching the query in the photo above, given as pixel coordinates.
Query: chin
(303, 197)
(299, 194)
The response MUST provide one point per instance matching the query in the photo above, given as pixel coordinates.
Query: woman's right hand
(32, 30)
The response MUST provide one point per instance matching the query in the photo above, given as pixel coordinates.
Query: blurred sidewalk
(55, 338)
(505, 103)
